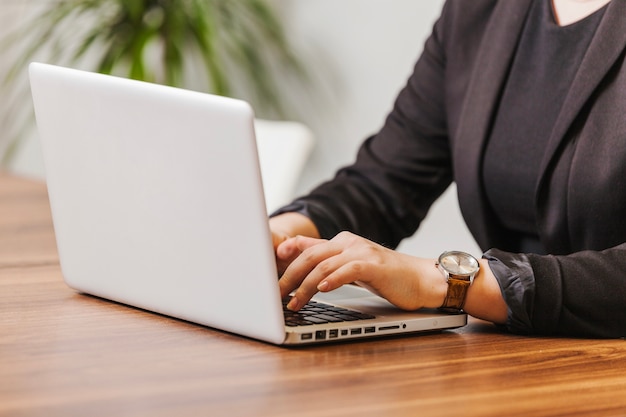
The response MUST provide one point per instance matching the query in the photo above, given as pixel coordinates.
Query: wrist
(439, 290)
(436, 288)
(484, 297)
(459, 270)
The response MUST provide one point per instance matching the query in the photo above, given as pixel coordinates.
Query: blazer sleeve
(398, 173)
(581, 294)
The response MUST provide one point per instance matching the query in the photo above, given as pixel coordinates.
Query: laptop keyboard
(315, 312)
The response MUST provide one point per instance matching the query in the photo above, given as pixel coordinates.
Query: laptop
(157, 202)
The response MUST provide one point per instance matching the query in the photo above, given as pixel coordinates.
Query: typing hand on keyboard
(315, 312)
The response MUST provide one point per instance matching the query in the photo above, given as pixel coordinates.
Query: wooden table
(66, 354)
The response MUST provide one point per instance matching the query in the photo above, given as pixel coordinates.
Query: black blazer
(437, 133)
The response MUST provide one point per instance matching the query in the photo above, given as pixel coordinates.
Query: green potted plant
(227, 47)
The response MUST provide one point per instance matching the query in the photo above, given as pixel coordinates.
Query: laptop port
(356, 331)
(371, 329)
(320, 335)
(333, 334)
(344, 332)
(306, 336)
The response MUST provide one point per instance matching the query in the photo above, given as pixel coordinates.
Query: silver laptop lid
(157, 199)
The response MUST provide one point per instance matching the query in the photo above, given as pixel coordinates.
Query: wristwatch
(459, 269)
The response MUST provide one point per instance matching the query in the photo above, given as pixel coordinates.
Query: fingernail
(293, 304)
(323, 286)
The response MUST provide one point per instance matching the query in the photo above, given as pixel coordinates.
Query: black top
(546, 60)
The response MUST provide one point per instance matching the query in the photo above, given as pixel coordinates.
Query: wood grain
(67, 354)
(26, 235)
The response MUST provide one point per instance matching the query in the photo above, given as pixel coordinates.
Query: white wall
(365, 50)
(360, 53)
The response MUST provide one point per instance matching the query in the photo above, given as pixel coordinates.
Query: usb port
(306, 336)
(370, 329)
(356, 331)
(320, 335)
(333, 334)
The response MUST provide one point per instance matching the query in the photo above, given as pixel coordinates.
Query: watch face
(458, 263)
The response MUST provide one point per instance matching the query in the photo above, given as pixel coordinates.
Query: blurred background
(356, 54)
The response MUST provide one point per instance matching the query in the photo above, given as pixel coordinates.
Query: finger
(346, 273)
(326, 259)
(305, 242)
(302, 266)
(292, 247)
(287, 250)
(309, 286)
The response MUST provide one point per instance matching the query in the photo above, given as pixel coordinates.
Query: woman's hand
(285, 226)
(324, 265)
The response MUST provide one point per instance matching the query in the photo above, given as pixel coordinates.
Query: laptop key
(315, 320)
(362, 316)
(327, 318)
(346, 317)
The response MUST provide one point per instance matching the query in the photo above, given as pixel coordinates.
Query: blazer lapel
(489, 74)
(606, 46)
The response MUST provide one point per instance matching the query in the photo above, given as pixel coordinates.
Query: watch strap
(455, 297)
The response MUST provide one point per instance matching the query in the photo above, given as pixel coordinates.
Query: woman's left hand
(324, 265)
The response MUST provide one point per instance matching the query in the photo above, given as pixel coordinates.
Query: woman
(521, 103)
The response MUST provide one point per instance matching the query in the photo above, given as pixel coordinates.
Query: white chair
(283, 148)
